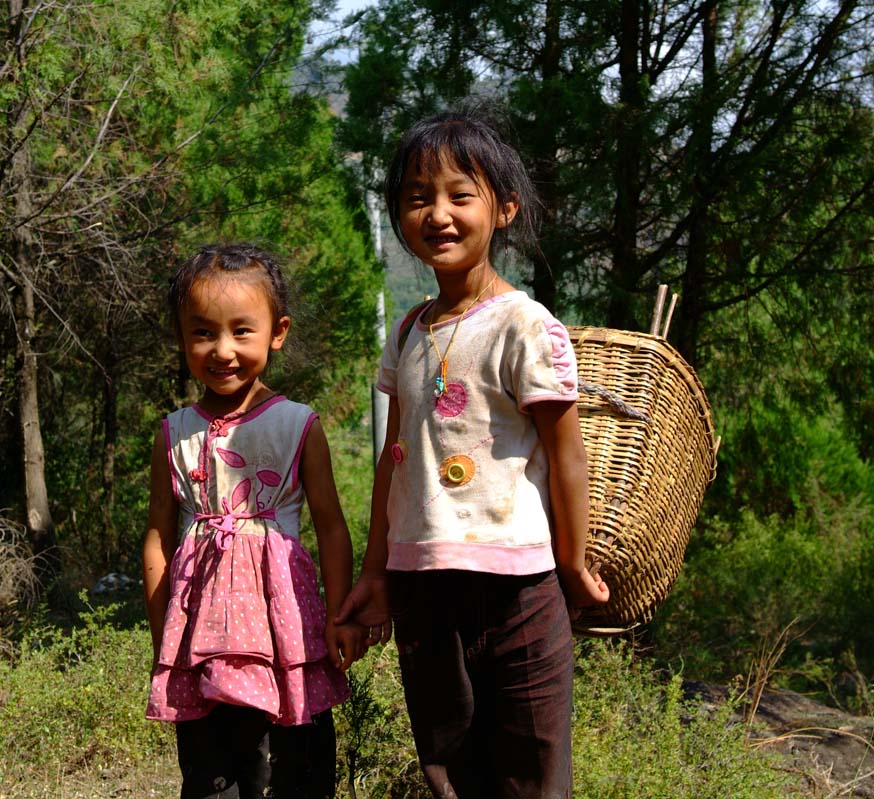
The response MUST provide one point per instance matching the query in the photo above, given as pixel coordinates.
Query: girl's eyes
(418, 200)
(202, 332)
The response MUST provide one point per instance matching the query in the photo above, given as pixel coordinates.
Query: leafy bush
(781, 456)
(637, 737)
(75, 700)
(757, 578)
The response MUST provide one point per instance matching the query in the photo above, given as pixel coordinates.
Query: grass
(72, 701)
(72, 725)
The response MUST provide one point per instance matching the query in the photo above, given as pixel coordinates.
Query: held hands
(367, 604)
(346, 643)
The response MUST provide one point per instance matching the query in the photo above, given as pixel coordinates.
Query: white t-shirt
(470, 488)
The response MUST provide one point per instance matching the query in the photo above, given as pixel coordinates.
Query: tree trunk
(695, 287)
(40, 526)
(544, 169)
(110, 439)
(626, 211)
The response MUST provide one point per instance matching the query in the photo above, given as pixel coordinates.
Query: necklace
(443, 358)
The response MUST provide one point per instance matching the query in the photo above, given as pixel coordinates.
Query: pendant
(440, 380)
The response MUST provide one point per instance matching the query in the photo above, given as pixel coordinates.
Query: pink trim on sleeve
(528, 401)
(563, 358)
(165, 428)
(295, 465)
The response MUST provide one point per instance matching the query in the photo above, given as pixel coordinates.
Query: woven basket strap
(614, 402)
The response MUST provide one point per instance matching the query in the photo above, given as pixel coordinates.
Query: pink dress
(245, 623)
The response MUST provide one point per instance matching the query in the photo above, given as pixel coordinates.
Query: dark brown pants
(236, 753)
(487, 667)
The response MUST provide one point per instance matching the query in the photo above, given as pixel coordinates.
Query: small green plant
(637, 737)
(76, 700)
(376, 755)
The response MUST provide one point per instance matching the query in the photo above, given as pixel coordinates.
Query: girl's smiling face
(448, 218)
(227, 333)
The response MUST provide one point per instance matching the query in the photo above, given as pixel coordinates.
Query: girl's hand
(367, 604)
(591, 590)
(346, 643)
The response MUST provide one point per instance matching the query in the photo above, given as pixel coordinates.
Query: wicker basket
(649, 436)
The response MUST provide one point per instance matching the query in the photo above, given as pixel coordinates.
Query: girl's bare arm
(160, 541)
(335, 547)
(368, 600)
(558, 427)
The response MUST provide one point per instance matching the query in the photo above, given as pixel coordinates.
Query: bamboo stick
(659, 307)
(670, 314)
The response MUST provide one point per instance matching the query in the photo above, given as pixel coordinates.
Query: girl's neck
(239, 402)
(457, 294)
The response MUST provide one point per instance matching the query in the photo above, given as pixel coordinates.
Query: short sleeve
(541, 365)
(387, 376)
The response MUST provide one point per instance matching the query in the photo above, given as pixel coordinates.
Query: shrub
(375, 750)
(77, 700)
(19, 584)
(757, 578)
(636, 737)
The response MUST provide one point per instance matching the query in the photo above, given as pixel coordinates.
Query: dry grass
(158, 779)
(19, 585)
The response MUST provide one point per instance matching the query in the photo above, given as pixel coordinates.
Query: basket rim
(662, 347)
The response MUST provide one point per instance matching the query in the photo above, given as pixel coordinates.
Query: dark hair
(245, 260)
(474, 145)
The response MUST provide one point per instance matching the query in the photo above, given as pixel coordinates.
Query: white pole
(379, 401)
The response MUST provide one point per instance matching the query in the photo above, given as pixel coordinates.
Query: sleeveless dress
(245, 622)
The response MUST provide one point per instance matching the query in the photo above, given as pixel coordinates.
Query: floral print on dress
(245, 622)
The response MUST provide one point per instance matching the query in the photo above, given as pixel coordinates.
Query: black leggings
(236, 753)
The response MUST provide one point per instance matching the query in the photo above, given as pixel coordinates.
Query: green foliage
(375, 750)
(751, 579)
(780, 457)
(352, 457)
(187, 129)
(72, 703)
(76, 700)
(724, 159)
(637, 737)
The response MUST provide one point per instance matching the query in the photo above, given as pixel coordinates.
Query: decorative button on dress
(245, 623)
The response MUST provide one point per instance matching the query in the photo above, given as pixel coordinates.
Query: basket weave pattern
(649, 465)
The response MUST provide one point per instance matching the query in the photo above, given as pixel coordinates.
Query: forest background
(721, 147)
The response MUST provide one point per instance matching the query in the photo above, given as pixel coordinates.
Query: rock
(113, 583)
(832, 751)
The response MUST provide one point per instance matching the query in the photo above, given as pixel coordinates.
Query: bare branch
(90, 157)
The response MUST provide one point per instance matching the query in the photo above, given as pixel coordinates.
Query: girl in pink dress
(247, 663)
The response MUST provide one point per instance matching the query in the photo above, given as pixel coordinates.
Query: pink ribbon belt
(225, 524)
